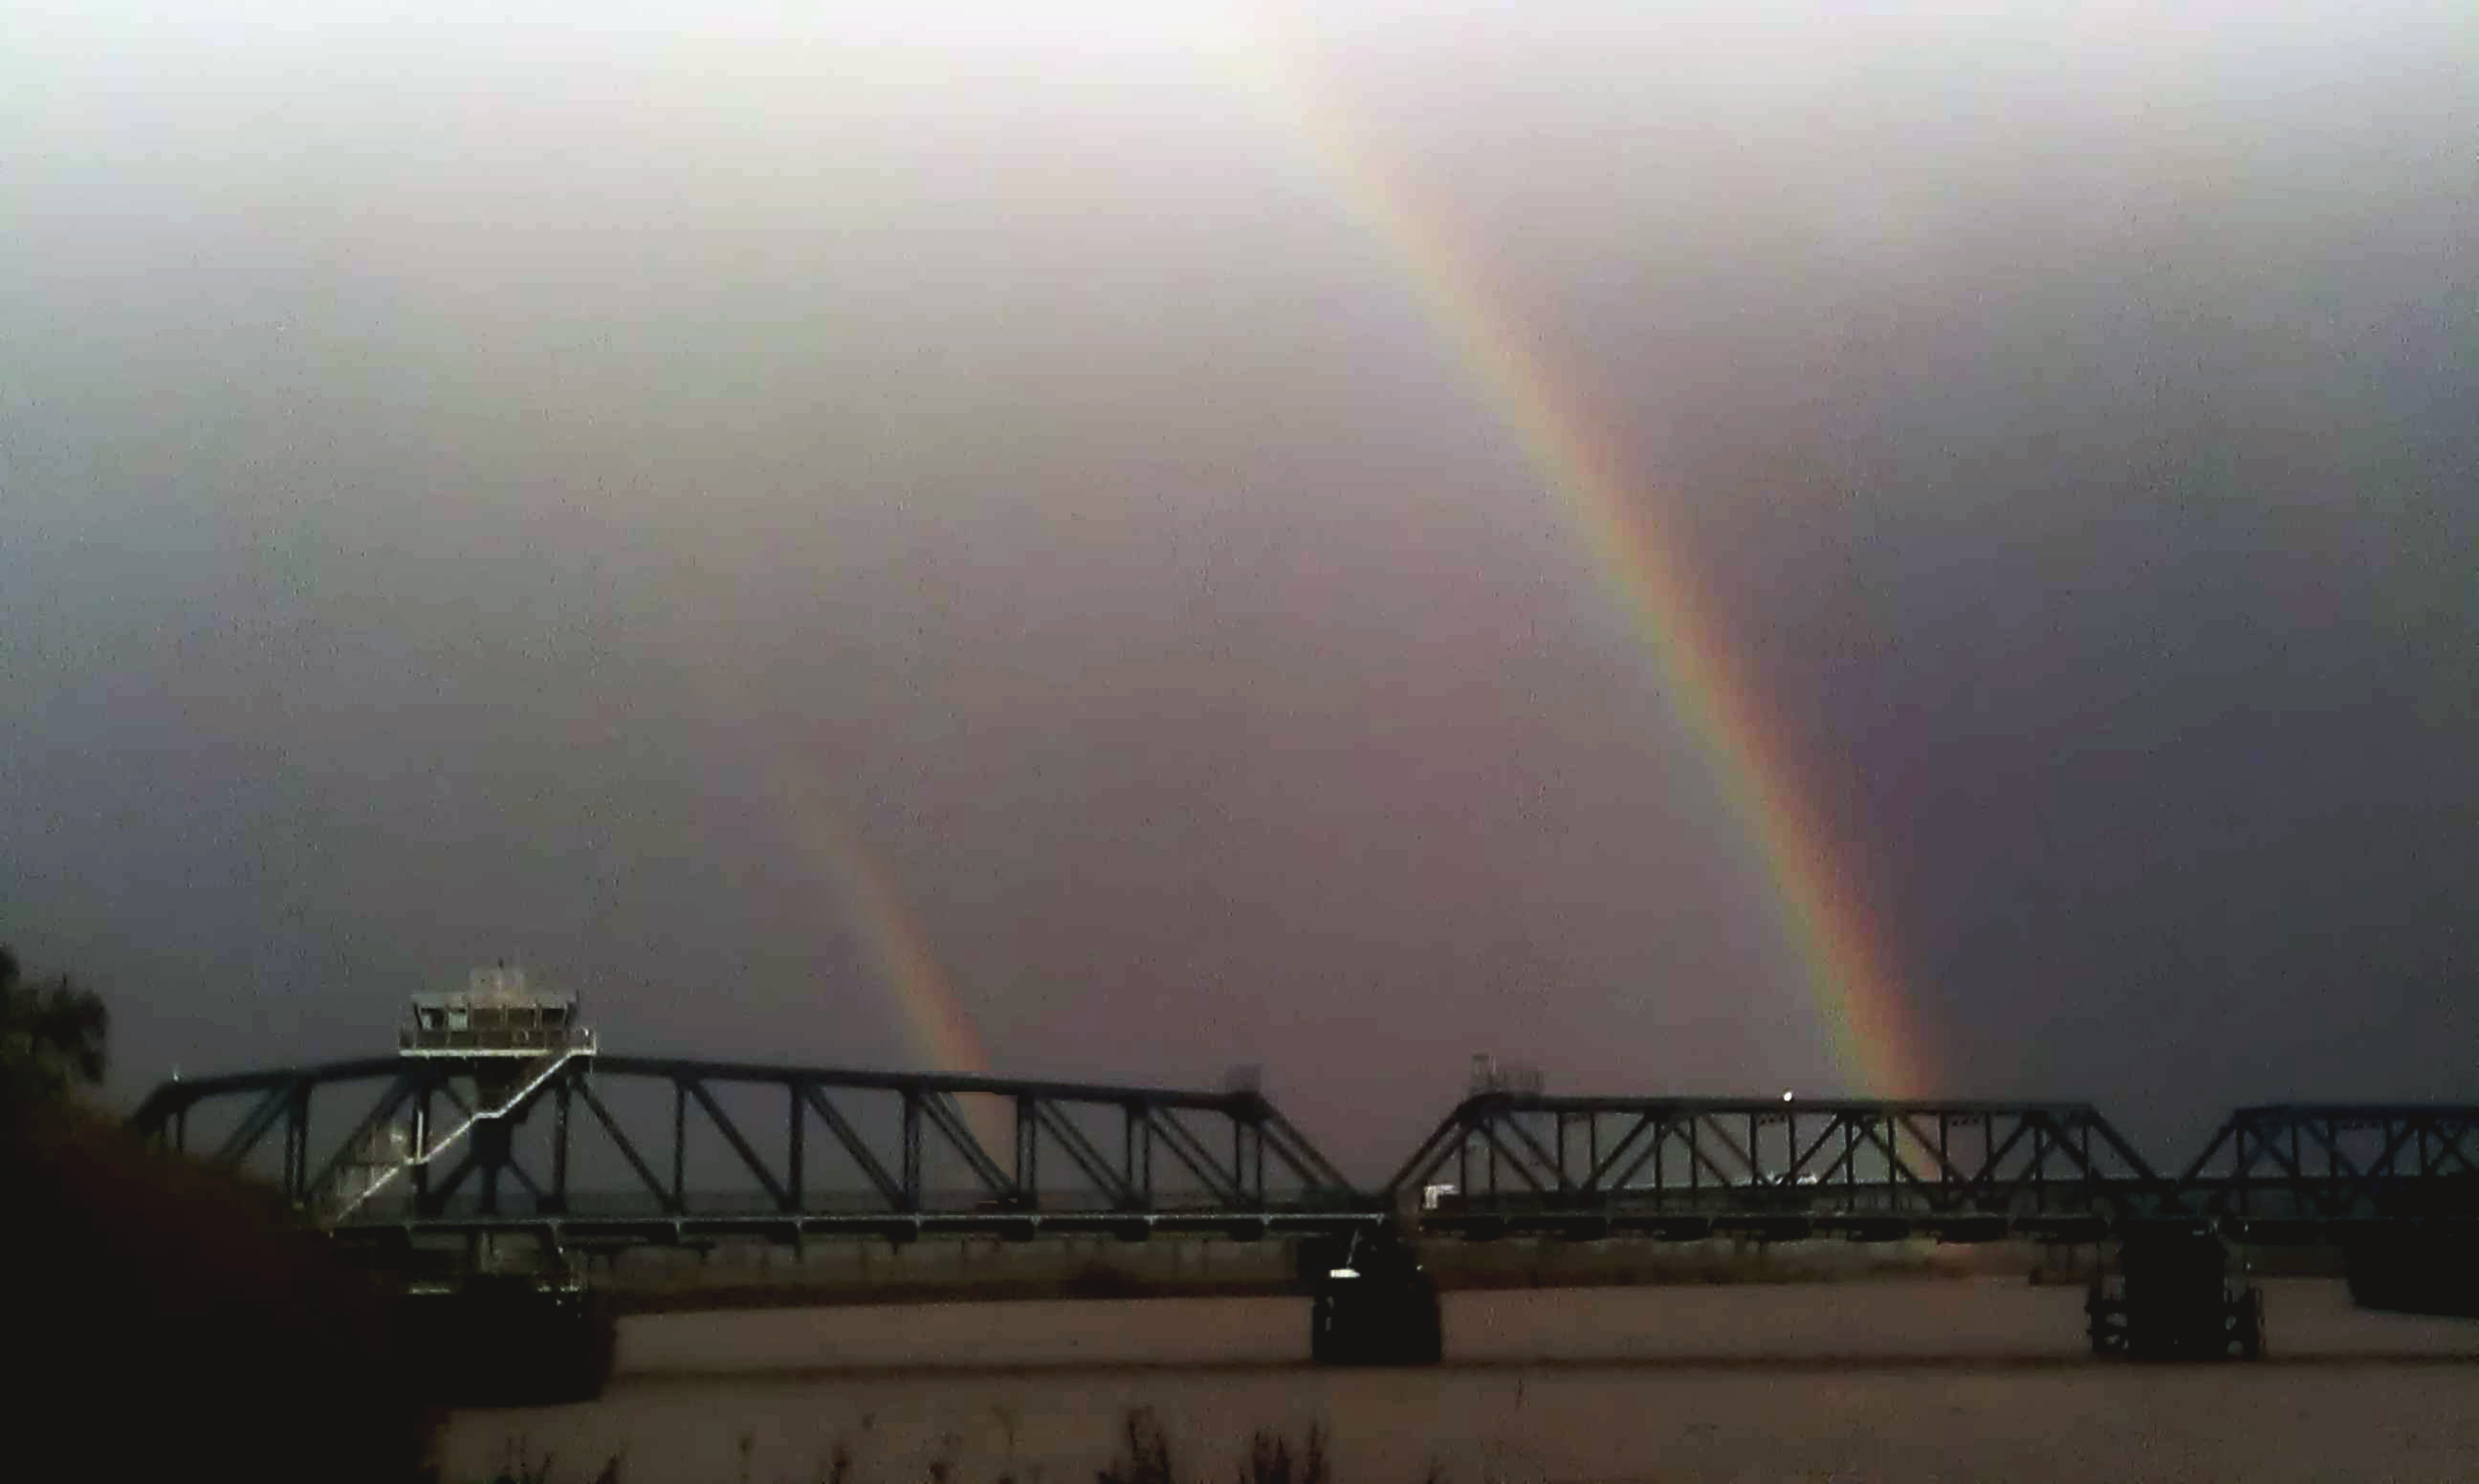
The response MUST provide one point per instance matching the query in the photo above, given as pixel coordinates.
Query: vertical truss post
(2300, 1201)
(301, 1145)
(1945, 1159)
(2246, 1164)
(1027, 1147)
(291, 1177)
(562, 1093)
(1849, 1159)
(1257, 1157)
(912, 1195)
(679, 1143)
(1895, 1165)
(796, 1184)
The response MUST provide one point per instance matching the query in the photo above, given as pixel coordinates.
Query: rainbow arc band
(1863, 1013)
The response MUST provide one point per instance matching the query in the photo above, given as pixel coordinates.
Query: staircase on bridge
(391, 1152)
(508, 1037)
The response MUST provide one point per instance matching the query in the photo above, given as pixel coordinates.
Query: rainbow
(1857, 1001)
(935, 1023)
(864, 889)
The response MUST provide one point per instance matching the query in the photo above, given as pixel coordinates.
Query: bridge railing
(513, 1041)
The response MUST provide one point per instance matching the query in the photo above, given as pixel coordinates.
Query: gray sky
(463, 484)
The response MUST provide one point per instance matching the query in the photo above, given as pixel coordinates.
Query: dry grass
(1147, 1454)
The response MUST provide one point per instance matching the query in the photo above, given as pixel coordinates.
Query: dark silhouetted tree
(255, 1349)
(53, 1034)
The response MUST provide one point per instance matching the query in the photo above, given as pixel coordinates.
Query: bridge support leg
(2415, 1269)
(2169, 1295)
(499, 1340)
(1372, 1304)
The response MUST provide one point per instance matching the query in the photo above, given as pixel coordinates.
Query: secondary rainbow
(874, 906)
(858, 880)
(1859, 1005)
(871, 904)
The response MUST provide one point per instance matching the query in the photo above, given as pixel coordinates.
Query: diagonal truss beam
(1110, 1182)
(627, 1147)
(1299, 1157)
(775, 1190)
(940, 1109)
(1597, 1177)
(1221, 1184)
(271, 1107)
(889, 1188)
(1541, 1158)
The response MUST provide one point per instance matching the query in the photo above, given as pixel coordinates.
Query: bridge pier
(1372, 1304)
(506, 1339)
(2169, 1297)
(2415, 1269)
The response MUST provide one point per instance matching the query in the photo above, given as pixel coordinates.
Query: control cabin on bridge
(496, 1016)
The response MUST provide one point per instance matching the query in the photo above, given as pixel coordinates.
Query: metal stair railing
(546, 1068)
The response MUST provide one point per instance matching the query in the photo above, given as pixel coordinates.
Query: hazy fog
(460, 477)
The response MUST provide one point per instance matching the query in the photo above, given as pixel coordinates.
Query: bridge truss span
(583, 1149)
(1506, 1164)
(2338, 1164)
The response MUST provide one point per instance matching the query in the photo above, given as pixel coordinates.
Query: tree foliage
(138, 1275)
(54, 1032)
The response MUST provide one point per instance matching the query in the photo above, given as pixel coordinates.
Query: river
(1944, 1380)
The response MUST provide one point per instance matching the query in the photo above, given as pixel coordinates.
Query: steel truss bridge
(583, 1151)
(1776, 1169)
